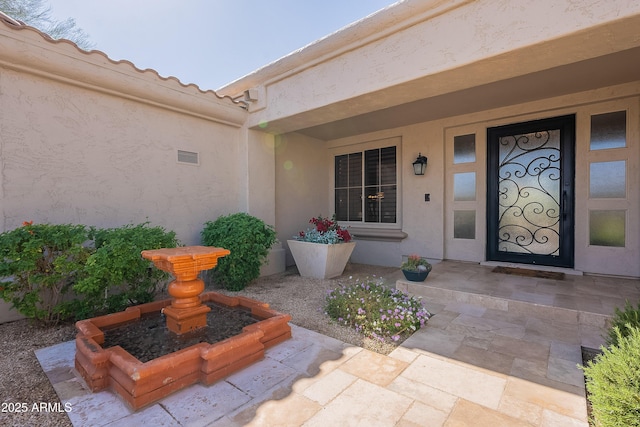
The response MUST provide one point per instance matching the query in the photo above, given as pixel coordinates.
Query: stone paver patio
(501, 350)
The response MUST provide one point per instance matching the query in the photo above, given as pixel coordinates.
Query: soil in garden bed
(148, 338)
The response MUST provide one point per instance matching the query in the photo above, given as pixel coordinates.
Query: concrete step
(443, 295)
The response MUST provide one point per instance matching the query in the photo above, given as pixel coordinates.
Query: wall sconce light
(420, 165)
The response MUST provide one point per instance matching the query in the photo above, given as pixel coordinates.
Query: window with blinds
(366, 187)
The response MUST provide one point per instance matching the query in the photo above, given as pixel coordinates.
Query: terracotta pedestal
(186, 312)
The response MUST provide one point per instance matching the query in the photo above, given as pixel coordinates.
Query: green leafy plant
(613, 381)
(116, 276)
(39, 263)
(59, 272)
(326, 231)
(375, 310)
(249, 240)
(416, 263)
(622, 321)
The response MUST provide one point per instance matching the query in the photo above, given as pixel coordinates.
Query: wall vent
(188, 157)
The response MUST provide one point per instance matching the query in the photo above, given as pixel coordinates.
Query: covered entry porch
(412, 80)
(528, 326)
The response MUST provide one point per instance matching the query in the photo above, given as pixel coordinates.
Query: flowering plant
(326, 231)
(375, 310)
(416, 263)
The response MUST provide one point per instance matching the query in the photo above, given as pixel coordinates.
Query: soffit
(617, 68)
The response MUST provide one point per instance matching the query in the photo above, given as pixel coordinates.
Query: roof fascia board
(376, 26)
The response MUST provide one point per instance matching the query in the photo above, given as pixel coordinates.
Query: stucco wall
(260, 175)
(426, 222)
(415, 43)
(7, 313)
(71, 155)
(421, 221)
(84, 139)
(302, 173)
(71, 152)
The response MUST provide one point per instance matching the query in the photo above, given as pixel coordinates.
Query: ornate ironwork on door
(530, 192)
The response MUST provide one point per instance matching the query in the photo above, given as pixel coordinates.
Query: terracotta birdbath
(186, 312)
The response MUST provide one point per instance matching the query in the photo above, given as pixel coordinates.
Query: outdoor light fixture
(420, 165)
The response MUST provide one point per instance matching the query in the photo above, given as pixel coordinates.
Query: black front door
(530, 184)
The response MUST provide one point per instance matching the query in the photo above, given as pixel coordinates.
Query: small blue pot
(416, 276)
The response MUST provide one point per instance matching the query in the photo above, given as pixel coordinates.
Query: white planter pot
(319, 260)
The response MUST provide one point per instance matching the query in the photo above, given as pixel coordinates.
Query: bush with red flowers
(326, 231)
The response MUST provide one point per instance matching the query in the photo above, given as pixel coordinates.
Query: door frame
(566, 257)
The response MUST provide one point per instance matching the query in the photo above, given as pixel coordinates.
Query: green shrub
(623, 320)
(116, 275)
(375, 310)
(59, 272)
(613, 382)
(248, 238)
(38, 266)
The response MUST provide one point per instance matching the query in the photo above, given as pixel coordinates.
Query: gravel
(24, 382)
(303, 299)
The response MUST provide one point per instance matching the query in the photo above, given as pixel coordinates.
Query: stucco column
(258, 150)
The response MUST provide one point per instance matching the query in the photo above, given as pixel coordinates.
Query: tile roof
(19, 25)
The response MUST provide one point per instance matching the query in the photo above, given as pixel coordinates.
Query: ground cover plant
(375, 310)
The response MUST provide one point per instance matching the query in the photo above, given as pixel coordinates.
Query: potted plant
(323, 251)
(415, 268)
